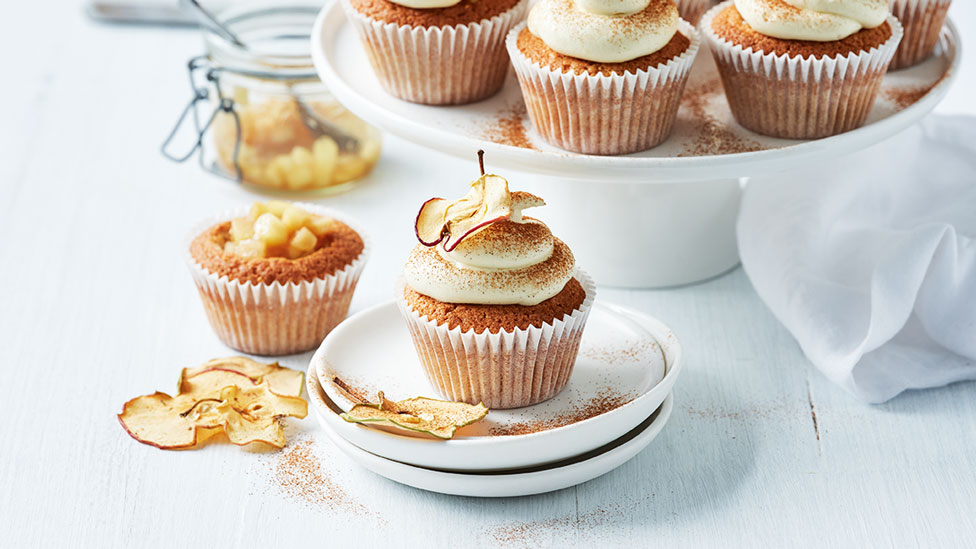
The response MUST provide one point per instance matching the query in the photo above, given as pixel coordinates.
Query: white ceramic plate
(627, 365)
(461, 130)
(520, 482)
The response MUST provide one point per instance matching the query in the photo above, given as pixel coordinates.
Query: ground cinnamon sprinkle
(509, 129)
(602, 403)
(540, 533)
(711, 136)
(906, 97)
(299, 474)
(635, 351)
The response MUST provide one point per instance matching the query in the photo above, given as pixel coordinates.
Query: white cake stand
(659, 218)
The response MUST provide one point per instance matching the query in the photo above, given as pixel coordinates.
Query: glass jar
(274, 124)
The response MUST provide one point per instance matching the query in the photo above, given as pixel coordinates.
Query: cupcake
(922, 20)
(494, 303)
(801, 69)
(436, 52)
(603, 76)
(692, 10)
(276, 279)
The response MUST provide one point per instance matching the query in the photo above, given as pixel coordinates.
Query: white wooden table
(98, 308)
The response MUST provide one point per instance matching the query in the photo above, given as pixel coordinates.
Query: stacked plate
(616, 403)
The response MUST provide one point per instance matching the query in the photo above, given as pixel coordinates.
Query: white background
(97, 308)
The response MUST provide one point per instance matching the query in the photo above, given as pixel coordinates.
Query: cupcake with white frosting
(923, 20)
(603, 76)
(436, 52)
(801, 69)
(494, 302)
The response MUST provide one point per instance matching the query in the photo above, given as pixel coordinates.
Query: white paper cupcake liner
(599, 114)
(922, 20)
(796, 97)
(692, 10)
(509, 369)
(438, 65)
(276, 318)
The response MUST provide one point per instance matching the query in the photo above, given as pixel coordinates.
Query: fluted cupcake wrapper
(599, 114)
(438, 65)
(922, 21)
(276, 318)
(796, 97)
(692, 10)
(509, 369)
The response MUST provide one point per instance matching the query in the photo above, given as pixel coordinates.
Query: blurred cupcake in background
(603, 76)
(922, 20)
(692, 10)
(437, 52)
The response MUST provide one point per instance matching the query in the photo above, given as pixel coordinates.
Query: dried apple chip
(254, 414)
(169, 422)
(240, 401)
(438, 418)
(284, 381)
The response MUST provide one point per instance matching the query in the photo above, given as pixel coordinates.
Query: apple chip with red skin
(214, 400)
(283, 381)
(488, 201)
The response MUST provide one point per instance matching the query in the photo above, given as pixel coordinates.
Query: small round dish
(627, 365)
(518, 482)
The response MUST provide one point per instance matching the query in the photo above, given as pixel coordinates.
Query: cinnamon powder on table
(300, 476)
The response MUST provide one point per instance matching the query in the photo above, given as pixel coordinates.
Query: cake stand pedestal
(663, 217)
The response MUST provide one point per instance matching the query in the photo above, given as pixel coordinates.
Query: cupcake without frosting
(494, 302)
(277, 278)
(801, 69)
(436, 52)
(603, 76)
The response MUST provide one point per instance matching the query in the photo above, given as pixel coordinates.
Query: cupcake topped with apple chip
(485, 274)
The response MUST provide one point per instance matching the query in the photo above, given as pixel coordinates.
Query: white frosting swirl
(506, 263)
(604, 31)
(816, 20)
(426, 4)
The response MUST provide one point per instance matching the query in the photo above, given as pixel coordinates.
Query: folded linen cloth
(870, 260)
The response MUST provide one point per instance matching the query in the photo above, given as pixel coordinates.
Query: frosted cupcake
(437, 52)
(603, 76)
(801, 69)
(276, 279)
(922, 20)
(494, 303)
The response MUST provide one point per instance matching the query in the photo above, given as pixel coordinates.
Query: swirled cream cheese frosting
(482, 250)
(426, 4)
(604, 31)
(815, 20)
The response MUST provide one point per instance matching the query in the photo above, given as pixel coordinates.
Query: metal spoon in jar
(316, 124)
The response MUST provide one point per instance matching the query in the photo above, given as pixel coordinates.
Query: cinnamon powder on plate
(509, 128)
(602, 403)
(711, 136)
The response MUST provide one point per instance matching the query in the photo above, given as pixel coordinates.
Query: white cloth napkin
(870, 259)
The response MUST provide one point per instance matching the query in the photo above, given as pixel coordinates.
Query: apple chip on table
(238, 396)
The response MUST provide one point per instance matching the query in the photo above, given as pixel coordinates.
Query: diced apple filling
(277, 229)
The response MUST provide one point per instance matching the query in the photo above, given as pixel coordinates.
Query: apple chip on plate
(283, 381)
(242, 404)
(438, 418)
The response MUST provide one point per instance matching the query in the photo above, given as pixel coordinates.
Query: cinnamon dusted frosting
(426, 4)
(604, 31)
(815, 20)
(508, 260)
